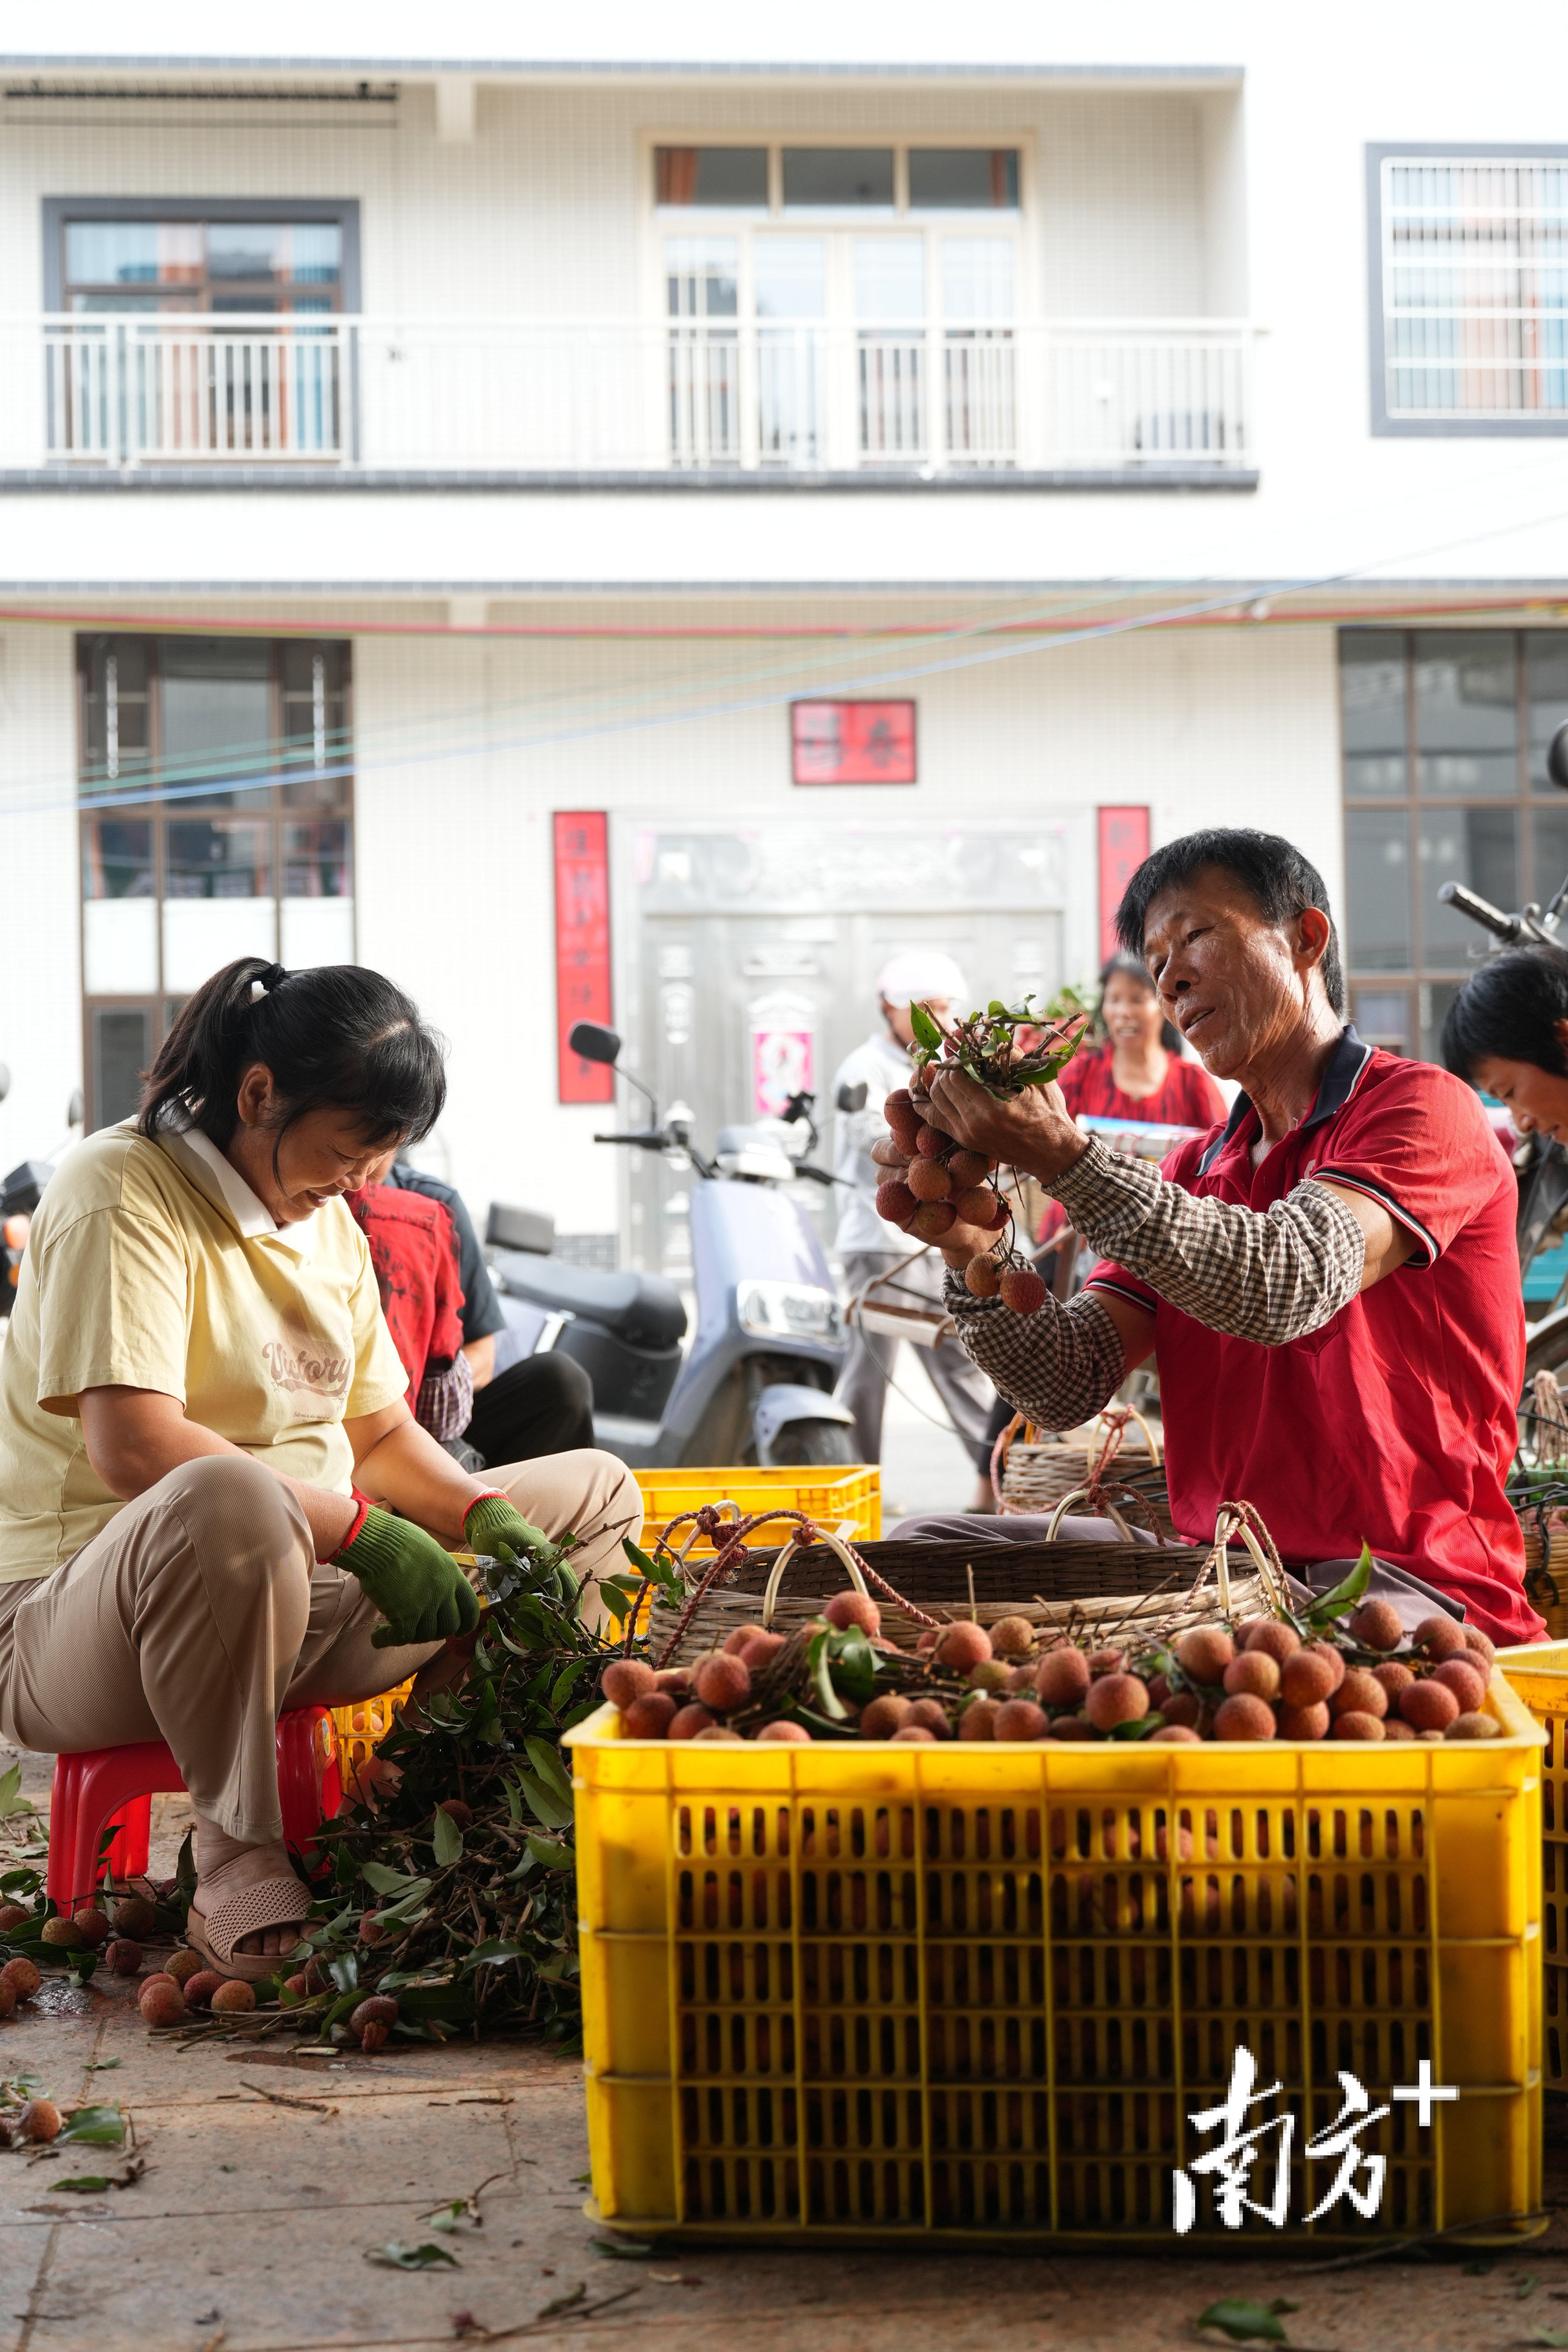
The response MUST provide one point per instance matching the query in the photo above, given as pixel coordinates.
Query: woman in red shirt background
(1137, 1072)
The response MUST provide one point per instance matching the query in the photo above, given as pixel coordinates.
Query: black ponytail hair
(335, 1035)
(1131, 967)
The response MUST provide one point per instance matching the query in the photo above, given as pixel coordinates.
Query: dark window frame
(1553, 423)
(1414, 980)
(342, 211)
(139, 798)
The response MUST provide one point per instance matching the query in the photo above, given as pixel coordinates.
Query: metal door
(743, 989)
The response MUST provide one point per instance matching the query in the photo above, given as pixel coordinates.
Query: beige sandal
(280, 1901)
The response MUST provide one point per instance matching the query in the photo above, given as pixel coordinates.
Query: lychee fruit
(848, 1608)
(882, 1717)
(651, 1717)
(967, 1167)
(39, 2120)
(1011, 1637)
(981, 1277)
(1062, 1677)
(626, 1679)
(1243, 1717)
(160, 2001)
(976, 1205)
(123, 1956)
(182, 1966)
(1020, 1718)
(963, 1645)
(1466, 1677)
(927, 1180)
(782, 1731)
(689, 1722)
(896, 1202)
(932, 1219)
(133, 1915)
(23, 1977)
(200, 1988)
(1440, 1637)
(931, 1143)
(1376, 1626)
(1022, 1290)
(1116, 1698)
(1428, 1706)
(230, 1999)
(721, 1683)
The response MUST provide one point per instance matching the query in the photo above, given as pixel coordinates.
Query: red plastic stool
(99, 1786)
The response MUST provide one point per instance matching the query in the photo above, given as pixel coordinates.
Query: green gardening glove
(419, 1588)
(492, 1526)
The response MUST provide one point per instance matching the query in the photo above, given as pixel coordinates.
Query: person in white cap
(868, 1245)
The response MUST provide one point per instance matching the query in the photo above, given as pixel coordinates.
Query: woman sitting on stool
(205, 1438)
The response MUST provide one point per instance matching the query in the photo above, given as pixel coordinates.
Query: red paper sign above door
(852, 743)
(582, 948)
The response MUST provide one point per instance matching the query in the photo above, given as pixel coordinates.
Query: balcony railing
(589, 395)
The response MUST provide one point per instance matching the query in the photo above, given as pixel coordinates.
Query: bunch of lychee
(935, 1183)
(1260, 1680)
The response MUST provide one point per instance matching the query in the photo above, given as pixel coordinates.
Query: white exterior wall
(455, 875)
(40, 928)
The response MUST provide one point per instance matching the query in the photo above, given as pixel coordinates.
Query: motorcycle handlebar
(1510, 928)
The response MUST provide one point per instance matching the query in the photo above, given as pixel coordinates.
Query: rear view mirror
(592, 1043)
(1557, 758)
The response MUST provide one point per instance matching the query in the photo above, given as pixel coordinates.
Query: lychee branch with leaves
(936, 1186)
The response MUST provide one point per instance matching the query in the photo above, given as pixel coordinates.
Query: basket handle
(1104, 1420)
(1241, 1520)
(1082, 1495)
(835, 1542)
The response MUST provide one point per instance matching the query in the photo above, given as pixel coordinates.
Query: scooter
(756, 1384)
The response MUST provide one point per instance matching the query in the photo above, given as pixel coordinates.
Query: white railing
(576, 395)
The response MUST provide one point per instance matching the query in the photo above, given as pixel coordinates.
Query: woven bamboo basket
(1105, 1590)
(1116, 1457)
(1545, 1532)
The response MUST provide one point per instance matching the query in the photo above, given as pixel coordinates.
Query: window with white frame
(1471, 261)
(839, 304)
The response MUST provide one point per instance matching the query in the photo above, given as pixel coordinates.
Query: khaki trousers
(200, 1612)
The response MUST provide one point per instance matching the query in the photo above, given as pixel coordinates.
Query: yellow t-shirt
(154, 1266)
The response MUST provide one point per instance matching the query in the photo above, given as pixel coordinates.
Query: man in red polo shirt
(1328, 1283)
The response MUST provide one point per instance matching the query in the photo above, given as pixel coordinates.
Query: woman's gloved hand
(491, 1525)
(419, 1588)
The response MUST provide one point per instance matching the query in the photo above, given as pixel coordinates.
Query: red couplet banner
(1123, 846)
(582, 947)
(852, 743)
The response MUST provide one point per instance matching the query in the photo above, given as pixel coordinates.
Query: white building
(399, 456)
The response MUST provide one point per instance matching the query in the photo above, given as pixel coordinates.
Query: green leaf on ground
(447, 1839)
(1525, 2286)
(12, 1801)
(554, 1812)
(95, 2127)
(83, 2184)
(1248, 2323)
(399, 2257)
(622, 2250)
(1556, 2337)
(385, 1881)
(101, 2065)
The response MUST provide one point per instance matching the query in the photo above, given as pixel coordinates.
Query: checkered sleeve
(1270, 1279)
(1058, 1366)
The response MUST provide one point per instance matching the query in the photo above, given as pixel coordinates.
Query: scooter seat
(641, 1309)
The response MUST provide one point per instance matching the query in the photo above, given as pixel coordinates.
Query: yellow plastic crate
(360, 1729)
(849, 1499)
(972, 1994)
(1538, 1673)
